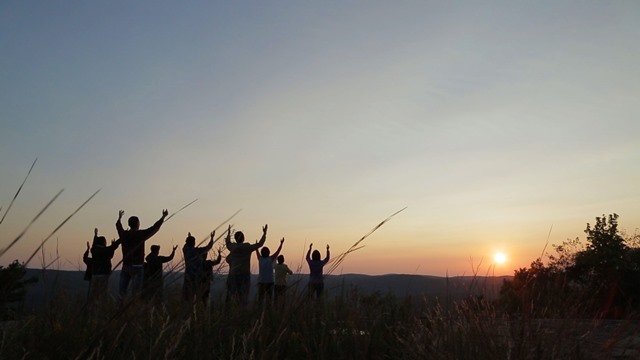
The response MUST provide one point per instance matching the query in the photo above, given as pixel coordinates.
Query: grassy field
(348, 326)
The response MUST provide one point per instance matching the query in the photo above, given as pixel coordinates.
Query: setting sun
(499, 258)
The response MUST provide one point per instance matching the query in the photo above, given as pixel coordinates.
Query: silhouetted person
(265, 272)
(87, 261)
(207, 278)
(153, 280)
(101, 266)
(133, 251)
(281, 272)
(194, 266)
(239, 259)
(316, 266)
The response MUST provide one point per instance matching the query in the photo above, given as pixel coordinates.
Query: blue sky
(492, 122)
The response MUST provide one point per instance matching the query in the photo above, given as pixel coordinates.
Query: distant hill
(57, 283)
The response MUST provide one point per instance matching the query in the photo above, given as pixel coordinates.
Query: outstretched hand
(213, 234)
(327, 247)
(88, 247)
(175, 247)
(95, 232)
(282, 241)
(229, 233)
(120, 214)
(310, 246)
(264, 228)
(165, 212)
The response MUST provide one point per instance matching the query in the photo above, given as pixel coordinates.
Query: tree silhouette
(12, 288)
(599, 277)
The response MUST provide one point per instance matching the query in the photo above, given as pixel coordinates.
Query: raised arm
(85, 256)
(148, 233)
(227, 239)
(260, 242)
(264, 235)
(114, 244)
(210, 244)
(165, 259)
(309, 252)
(275, 256)
(218, 259)
(326, 259)
(119, 224)
(258, 254)
(111, 249)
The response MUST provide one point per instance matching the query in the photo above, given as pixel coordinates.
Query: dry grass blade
(547, 242)
(3, 251)
(59, 226)
(356, 246)
(51, 263)
(205, 238)
(182, 208)
(18, 192)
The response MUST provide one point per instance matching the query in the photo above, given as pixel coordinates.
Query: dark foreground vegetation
(349, 326)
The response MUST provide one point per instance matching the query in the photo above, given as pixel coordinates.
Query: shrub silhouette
(599, 275)
(12, 288)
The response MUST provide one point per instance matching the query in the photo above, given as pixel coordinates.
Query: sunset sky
(492, 122)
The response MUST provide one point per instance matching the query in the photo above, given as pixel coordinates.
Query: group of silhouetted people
(144, 275)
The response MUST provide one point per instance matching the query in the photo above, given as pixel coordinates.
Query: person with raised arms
(133, 240)
(265, 272)
(153, 280)
(316, 266)
(101, 266)
(194, 266)
(239, 259)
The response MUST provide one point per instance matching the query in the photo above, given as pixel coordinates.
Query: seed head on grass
(356, 246)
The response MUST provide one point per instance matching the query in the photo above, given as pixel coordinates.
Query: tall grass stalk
(35, 252)
(335, 264)
(18, 192)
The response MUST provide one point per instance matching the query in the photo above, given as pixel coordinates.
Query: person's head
(100, 241)
(190, 241)
(134, 223)
(239, 236)
(280, 259)
(265, 251)
(315, 255)
(155, 249)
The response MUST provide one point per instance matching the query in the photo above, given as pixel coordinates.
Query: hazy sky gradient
(491, 121)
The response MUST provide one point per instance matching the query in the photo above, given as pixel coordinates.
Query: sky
(500, 126)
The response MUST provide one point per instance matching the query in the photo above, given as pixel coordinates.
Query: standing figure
(133, 251)
(265, 272)
(87, 261)
(316, 278)
(239, 259)
(153, 280)
(281, 271)
(194, 266)
(207, 277)
(101, 266)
